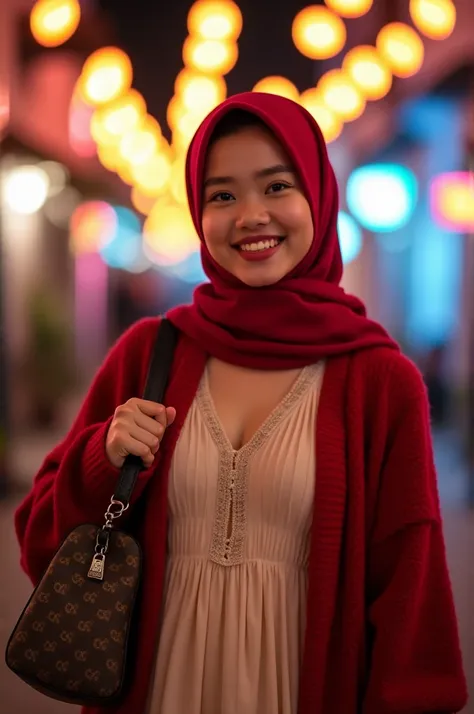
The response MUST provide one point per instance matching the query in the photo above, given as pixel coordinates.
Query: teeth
(261, 245)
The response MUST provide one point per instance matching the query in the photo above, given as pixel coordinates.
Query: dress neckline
(299, 387)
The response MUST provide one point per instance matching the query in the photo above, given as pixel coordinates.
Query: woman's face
(256, 221)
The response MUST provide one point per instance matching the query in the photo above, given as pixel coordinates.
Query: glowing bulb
(318, 33)
(368, 71)
(277, 85)
(139, 145)
(436, 19)
(350, 8)
(341, 95)
(210, 56)
(151, 178)
(106, 75)
(26, 189)
(329, 122)
(199, 93)
(402, 48)
(53, 22)
(117, 118)
(215, 20)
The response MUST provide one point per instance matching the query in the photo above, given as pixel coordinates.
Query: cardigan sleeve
(76, 480)
(415, 664)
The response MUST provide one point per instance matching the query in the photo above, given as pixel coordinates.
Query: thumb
(170, 415)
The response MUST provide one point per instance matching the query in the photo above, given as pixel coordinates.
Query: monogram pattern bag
(71, 641)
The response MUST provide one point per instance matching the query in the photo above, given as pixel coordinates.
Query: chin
(259, 278)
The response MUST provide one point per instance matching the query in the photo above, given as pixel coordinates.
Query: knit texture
(381, 633)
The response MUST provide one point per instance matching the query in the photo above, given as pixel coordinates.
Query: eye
(221, 197)
(278, 187)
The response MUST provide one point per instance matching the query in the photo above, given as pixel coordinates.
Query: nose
(252, 213)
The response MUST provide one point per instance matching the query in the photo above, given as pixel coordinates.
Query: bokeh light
(142, 203)
(199, 93)
(210, 56)
(329, 122)
(402, 48)
(106, 75)
(53, 22)
(111, 122)
(25, 189)
(169, 234)
(350, 237)
(215, 20)
(368, 71)
(350, 8)
(93, 224)
(57, 174)
(341, 95)
(189, 270)
(140, 144)
(435, 19)
(382, 197)
(152, 177)
(124, 250)
(452, 201)
(281, 86)
(318, 33)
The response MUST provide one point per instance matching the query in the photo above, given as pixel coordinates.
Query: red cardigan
(381, 628)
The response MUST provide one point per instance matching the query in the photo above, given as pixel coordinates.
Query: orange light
(318, 33)
(277, 85)
(142, 203)
(200, 93)
(331, 124)
(169, 234)
(117, 118)
(350, 8)
(434, 18)
(215, 20)
(139, 145)
(92, 225)
(152, 177)
(210, 56)
(53, 22)
(402, 48)
(106, 75)
(368, 71)
(341, 95)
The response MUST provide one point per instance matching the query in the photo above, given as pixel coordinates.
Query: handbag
(72, 639)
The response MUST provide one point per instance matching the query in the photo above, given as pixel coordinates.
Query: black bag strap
(156, 383)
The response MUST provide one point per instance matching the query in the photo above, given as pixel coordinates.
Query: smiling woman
(293, 551)
(256, 219)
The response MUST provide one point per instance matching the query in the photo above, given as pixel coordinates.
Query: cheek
(299, 219)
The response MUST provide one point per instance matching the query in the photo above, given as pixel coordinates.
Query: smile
(259, 250)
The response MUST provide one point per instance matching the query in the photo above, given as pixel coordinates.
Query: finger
(144, 436)
(170, 415)
(149, 424)
(138, 448)
(152, 409)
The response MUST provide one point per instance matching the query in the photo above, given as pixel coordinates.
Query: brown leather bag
(71, 641)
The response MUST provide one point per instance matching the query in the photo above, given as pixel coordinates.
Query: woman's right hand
(137, 428)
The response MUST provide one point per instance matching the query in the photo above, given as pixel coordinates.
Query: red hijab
(305, 316)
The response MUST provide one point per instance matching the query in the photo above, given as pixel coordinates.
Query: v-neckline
(213, 421)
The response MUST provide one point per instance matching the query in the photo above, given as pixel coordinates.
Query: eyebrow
(270, 171)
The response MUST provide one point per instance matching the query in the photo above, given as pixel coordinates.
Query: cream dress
(234, 607)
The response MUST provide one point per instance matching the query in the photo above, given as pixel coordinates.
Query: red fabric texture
(304, 317)
(381, 634)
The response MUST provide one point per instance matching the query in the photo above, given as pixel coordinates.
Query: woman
(294, 485)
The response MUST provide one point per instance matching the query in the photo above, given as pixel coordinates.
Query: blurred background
(98, 103)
